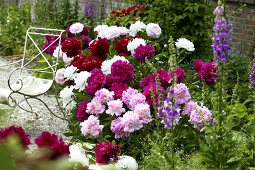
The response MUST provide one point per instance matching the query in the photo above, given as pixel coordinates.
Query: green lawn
(4, 115)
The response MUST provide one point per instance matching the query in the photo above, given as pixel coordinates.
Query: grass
(4, 115)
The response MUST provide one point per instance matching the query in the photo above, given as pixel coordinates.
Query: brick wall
(243, 36)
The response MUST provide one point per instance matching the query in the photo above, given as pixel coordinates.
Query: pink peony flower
(132, 122)
(115, 107)
(117, 127)
(103, 96)
(126, 95)
(135, 100)
(95, 107)
(91, 126)
(144, 113)
(153, 30)
(181, 94)
(59, 78)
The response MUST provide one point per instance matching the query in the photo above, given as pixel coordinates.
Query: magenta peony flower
(18, 131)
(96, 81)
(106, 151)
(85, 41)
(54, 143)
(198, 64)
(122, 72)
(147, 80)
(147, 92)
(142, 52)
(208, 73)
(118, 89)
(81, 113)
(165, 78)
(180, 74)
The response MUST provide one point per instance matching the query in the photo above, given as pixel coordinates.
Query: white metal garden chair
(28, 85)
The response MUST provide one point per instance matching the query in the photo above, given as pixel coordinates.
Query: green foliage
(14, 22)
(189, 18)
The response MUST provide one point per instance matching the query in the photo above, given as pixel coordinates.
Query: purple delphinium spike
(252, 76)
(90, 8)
(221, 39)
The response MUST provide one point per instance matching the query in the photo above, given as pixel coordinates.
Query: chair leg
(32, 111)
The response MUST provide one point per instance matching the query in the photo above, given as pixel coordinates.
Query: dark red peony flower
(84, 63)
(81, 113)
(121, 46)
(208, 72)
(118, 89)
(99, 48)
(96, 81)
(106, 152)
(72, 47)
(180, 74)
(130, 10)
(55, 144)
(122, 72)
(198, 64)
(18, 131)
(150, 92)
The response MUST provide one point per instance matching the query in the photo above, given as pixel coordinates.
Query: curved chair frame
(50, 69)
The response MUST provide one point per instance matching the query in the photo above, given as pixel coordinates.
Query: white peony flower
(132, 45)
(126, 162)
(66, 95)
(153, 30)
(106, 65)
(185, 43)
(70, 72)
(100, 28)
(76, 155)
(81, 80)
(59, 77)
(58, 53)
(67, 59)
(123, 30)
(109, 33)
(76, 28)
(136, 27)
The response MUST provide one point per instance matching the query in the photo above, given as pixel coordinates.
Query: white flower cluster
(66, 96)
(81, 80)
(76, 28)
(153, 30)
(110, 32)
(104, 31)
(185, 43)
(106, 65)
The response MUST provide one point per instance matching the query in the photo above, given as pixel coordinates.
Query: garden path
(46, 121)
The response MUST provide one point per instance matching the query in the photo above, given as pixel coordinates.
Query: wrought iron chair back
(25, 82)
